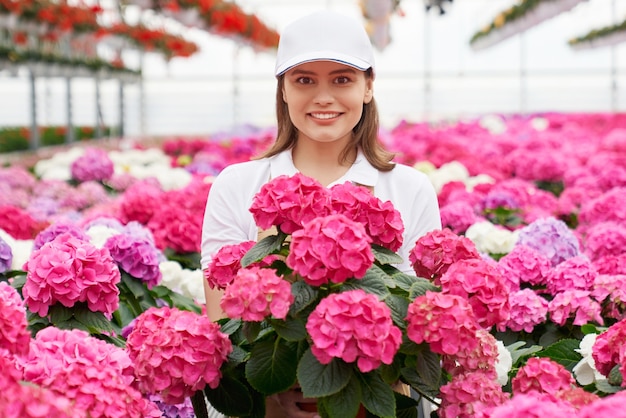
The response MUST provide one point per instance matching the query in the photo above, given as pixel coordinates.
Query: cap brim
(351, 61)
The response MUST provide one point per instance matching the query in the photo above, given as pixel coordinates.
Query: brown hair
(364, 134)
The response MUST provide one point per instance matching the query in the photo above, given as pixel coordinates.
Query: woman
(327, 129)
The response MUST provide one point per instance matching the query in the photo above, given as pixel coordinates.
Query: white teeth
(324, 115)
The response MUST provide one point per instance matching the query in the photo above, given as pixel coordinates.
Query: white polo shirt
(228, 219)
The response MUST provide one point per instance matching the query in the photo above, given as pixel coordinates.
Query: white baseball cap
(324, 36)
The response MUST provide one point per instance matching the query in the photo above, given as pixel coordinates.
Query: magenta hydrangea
(6, 256)
(14, 334)
(446, 322)
(550, 237)
(68, 270)
(354, 326)
(139, 201)
(608, 207)
(577, 305)
(524, 264)
(482, 359)
(609, 406)
(96, 376)
(610, 291)
(176, 353)
(528, 310)
(255, 293)
(95, 164)
(469, 395)
(289, 202)
(436, 250)
(606, 239)
(575, 273)
(611, 264)
(382, 221)
(225, 264)
(458, 216)
(18, 223)
(56, 229)
(332, 248)
(137, 256)
(532, 406)
(543, 375)
(608, 348)
(483, 286)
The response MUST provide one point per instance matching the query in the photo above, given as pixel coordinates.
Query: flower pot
(312, 407)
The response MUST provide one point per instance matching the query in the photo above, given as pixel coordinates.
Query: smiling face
(325, 99)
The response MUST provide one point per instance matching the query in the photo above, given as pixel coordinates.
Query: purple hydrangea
(94, 164)
(552, 238)
(181, 410)
(6, 256)
(56, 229)
(137, 256)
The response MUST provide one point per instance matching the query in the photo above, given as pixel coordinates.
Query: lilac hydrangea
(56, 229)
(137, 256)
(552, 238)
(94, 164)
(6, 256)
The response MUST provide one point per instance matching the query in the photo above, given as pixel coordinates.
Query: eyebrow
(339, 71)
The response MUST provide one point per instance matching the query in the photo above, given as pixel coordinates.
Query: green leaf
(590, 329)
(272, 366)
(406, 407)
(318, 380)
(604, 386)
(304, 295)
(230, 326)
(377, 396)
(136, 287)
(116, 341)
(183, 302)
(399, 307)
(251, 330)
(232, 397)
(404, 281)
(59, 314)
(563, 353)
(199, 405)
(238, 355)
(373, 282)
(420, 286)
(345, 403)
(190, 261)
(95, 322)
(263, 248)
(425, 376)
(519, 353)
(385, 255)
(291, 329)
(615, 376)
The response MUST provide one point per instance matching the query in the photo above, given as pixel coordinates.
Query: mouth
(325, 115)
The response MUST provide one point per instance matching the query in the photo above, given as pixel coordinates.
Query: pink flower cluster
(14, 335)
(353, 326)
(289, 202)
(528, 309)
(225, 264)
(609, 350)
(255, 293)
(577, 304)
(68, 270)
(176, 353)
(575, 273)
(470, 395)
(437, 250)
(382, 221)
(94, 375)
(524, 265)
(483, 286)
(137, 256)
(483, 358)
(540, 374)
(532, 406)
(94, 164)
(331, 248)
(18, 223)
(446, 322)
(140, 201)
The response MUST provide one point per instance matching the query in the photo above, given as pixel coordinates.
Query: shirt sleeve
(227, 220)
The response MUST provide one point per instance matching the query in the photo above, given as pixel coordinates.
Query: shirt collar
(361, 172)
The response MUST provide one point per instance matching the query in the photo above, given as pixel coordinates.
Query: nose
(323, 94)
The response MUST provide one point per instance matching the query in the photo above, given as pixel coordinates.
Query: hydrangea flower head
(551, 237)
(610, 406)
(225, 264)
(575, 273)
(176, 353)
(14, 334)
(528, 310)
(483, 286)
(382, 221)
(331, 248)
(289, 202)
(68, 270)
(607, 349)
(56, 229)
(255, 293)
(139, 201)
(606, 239)
(469, 395)
(137, 256)
(446, 322)
(353, 326)
(94, 164)
(533, 405)
(576, 304)
(18, 223)
(543, 375)
(524, 265)
(6, 256)
(435, 251)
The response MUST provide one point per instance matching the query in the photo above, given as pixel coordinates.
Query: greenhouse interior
(207, 213)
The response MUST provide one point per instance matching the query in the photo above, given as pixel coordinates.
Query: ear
(284, 95)
(369, 90)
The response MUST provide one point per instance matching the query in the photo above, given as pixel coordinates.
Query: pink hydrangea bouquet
(319, 305)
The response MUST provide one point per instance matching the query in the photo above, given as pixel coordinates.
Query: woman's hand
(294, 405)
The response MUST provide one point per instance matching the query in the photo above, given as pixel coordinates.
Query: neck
(321, 161)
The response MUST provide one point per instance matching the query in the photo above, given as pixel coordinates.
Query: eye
(304, 80)
(342, 79)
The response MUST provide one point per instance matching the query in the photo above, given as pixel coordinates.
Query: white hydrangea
(504, 364)
(491, 239)
(454, 171)
(184, 281)
(99, 234)
(58, 167)
(21, 250)
(585, 370)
